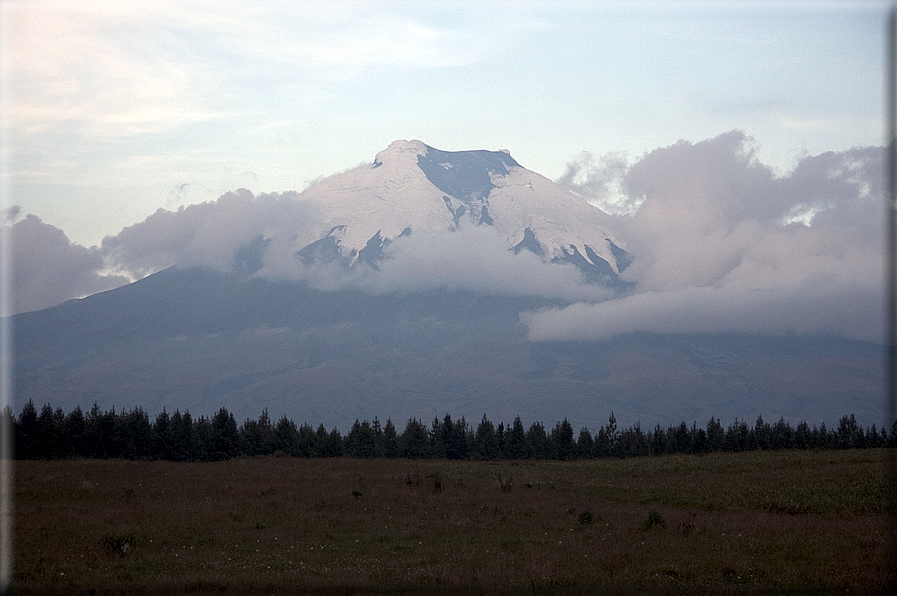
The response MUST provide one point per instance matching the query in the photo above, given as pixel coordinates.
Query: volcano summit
(411, 188)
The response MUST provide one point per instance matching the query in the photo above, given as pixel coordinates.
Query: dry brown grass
(730, 523)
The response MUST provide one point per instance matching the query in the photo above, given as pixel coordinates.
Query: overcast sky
(737, 145)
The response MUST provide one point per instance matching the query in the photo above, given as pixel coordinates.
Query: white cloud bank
(720, 243)
(47, 268)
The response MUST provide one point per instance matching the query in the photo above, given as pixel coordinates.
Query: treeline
(53, 434)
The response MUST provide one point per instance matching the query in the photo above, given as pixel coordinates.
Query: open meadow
(801, 521)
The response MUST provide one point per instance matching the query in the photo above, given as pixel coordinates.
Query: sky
(731, 140)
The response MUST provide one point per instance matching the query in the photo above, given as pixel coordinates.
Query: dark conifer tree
(873, 439)
(437, 437)
(360, 441)
(762, 433)
(7, 432)
(461, 439)
(203, 441)
(390, 440)
(286, 438)
(613, 436)
(501, 438)
(516, 445)
(658, 441)
(28, 433)
(320, 441)
(101, 432)
(699, 442)
(183, 441)
(378, 437)
(333, 445)
(633, 442)
(413, 443)
(537, 443)
(448, 435)
(74, 434)
(257, 437)
(250, 438)
(486, 443)
(225, 442)
(681, 439)
(822, 437)
(892, 436)
(49, 432)
(305, 439)
(601, 444)
(802, 435)
(781, 436)
(583, 449)
(753, 439)
(849, 433)
(716, 436)
(562, 438)
(162, 436)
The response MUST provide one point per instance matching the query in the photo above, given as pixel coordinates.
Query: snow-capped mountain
(411, 188)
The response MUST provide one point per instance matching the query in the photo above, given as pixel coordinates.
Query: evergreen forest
(53, 434)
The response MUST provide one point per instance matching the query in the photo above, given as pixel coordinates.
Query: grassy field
(728, 523)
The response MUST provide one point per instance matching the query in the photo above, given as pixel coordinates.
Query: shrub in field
(413, 479)
(437, 482)
(654, 519)
(119, 545)
(505, 484)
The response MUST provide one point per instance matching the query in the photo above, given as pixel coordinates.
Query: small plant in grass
(654, 519)
(413, 479)
(119, 545)
(505, 484)
(437, 482)
(688, 526)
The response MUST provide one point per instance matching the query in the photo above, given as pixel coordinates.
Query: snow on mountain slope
(412, 188)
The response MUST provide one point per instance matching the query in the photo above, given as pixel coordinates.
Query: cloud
(720, 243)
(102, 68)
(723, 244)
(839, 309)
(257, 236)
(474, 258)
(600, 181)
(220, 234)
(49, 269)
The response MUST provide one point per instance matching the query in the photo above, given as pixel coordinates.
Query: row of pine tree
(53, 434)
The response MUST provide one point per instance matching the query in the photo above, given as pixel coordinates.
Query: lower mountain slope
(198, 340)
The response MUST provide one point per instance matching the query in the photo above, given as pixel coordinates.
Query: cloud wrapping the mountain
(839, 309)
(210, 234)
(475, 258)
(48, 268)
(722, 243)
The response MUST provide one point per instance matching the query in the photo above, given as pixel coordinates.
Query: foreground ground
(765, 521)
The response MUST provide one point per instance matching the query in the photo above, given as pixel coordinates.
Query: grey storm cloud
(47, 268)
(723, 244)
